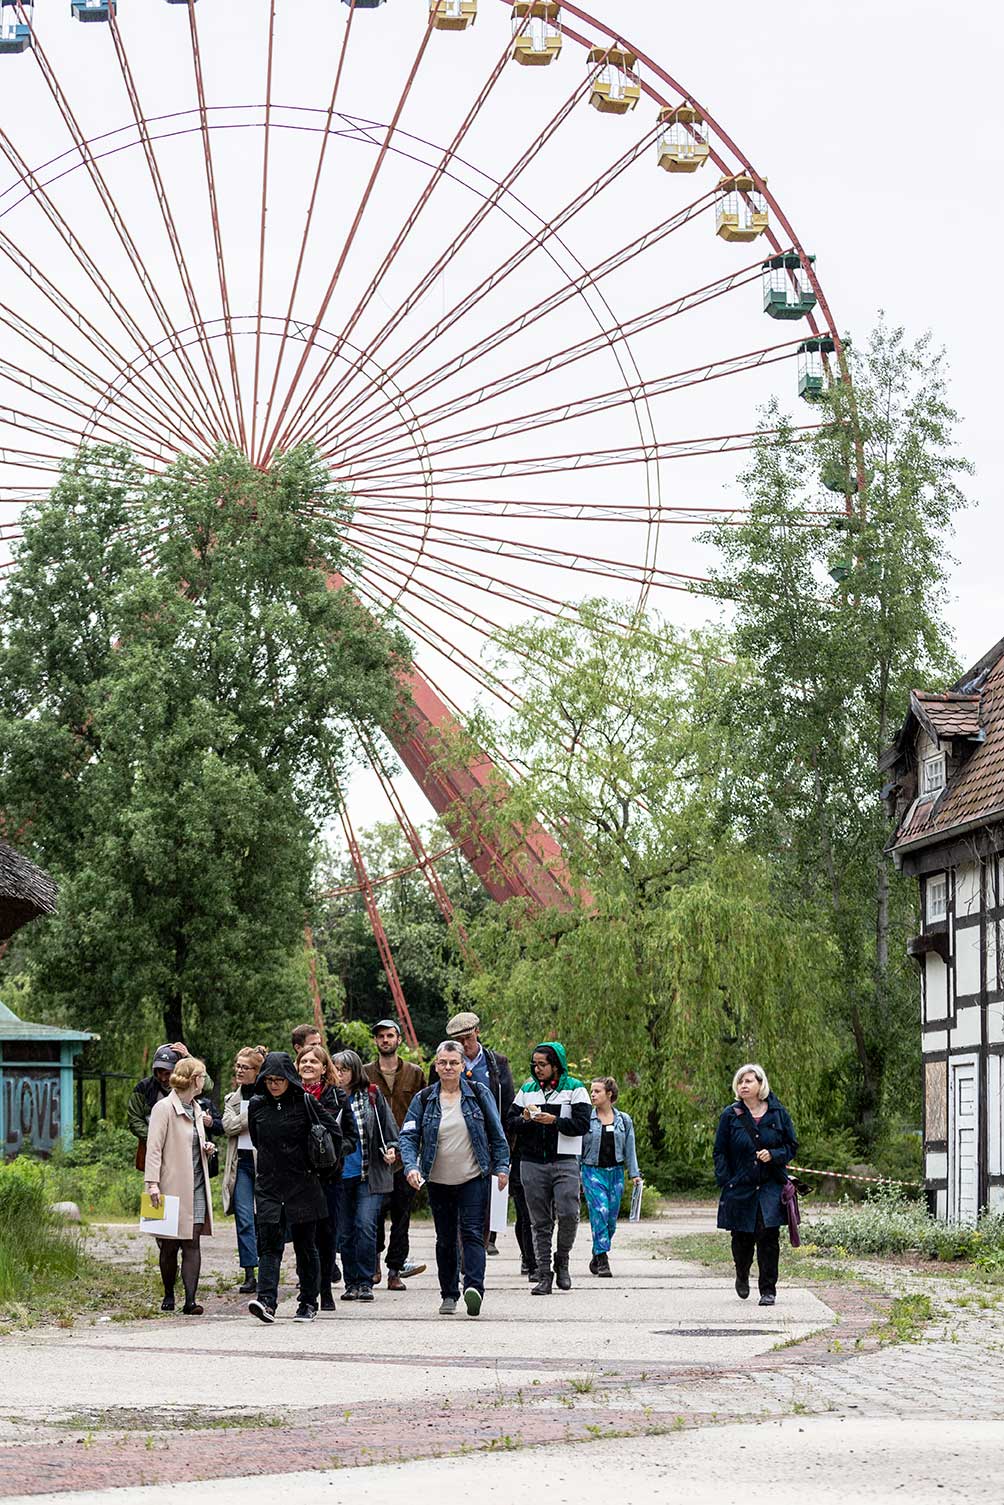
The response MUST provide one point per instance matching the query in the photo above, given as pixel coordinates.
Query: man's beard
(388, 1050)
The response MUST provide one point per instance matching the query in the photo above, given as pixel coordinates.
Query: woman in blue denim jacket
(452, 1137)
(607, 1149)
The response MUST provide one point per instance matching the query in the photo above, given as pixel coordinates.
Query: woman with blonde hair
(177, 1165)
(237, 1190)
(754, 1142)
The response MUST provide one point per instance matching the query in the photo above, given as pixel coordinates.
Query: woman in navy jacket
(754, 1142)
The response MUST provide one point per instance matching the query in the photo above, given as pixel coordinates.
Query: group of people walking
(465, 1134)
(323, 1151)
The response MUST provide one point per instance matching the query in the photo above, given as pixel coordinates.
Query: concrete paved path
(660, 1375)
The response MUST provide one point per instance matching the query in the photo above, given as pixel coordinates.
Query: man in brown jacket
(398, 1081)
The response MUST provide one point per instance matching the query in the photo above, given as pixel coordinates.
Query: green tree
(682, 958)
(177, 697)
(835, 625)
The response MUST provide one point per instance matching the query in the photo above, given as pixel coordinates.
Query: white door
(963, 1140)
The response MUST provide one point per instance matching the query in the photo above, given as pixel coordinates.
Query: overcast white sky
(878, 126)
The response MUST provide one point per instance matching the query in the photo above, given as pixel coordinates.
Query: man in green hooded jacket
(549, 1115)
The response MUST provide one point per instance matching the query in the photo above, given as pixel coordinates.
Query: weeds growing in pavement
(583, 1384)
(906, 1319)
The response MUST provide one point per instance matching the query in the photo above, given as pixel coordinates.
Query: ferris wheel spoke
(476, 397)
(501, 548)
(169, 401)
(22, 418)
(278, 434)
(261, 235)
(587, 407)
(116, 219)
(523, 321)
(59, 357)
(214, 214)
(308, 224)
(381, 590)
(221, 412)
(571, 513)
(533, 243)
(436, 178)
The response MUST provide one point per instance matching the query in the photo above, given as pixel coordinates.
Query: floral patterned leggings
(604, 1188)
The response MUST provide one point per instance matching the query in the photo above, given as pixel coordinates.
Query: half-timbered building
(945, 793)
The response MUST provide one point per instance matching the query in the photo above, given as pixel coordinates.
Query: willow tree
(177, 689)
(835, 624)
(683, 958)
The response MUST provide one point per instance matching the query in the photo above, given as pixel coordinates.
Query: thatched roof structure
(25, 892)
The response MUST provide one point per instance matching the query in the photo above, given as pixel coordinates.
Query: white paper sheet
(635, 1214)
(498, 1213)
(167, 1226)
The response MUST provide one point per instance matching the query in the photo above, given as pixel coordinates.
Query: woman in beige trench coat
(177, 1166)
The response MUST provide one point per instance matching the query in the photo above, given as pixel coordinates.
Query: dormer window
(937, 897)
(932, 774)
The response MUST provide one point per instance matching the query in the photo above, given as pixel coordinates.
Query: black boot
(250, 1285)
(742, 1285)
(603, 1266)
(561, 1272)
(544, 1286)
(592, 1265)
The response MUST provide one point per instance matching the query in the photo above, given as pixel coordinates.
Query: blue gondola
(15, 35)
(93, 10)
(364, 4)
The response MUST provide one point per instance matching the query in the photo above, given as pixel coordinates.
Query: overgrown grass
(890, 1224)
(906, 1319)
(37, 1254)
(715, 1251)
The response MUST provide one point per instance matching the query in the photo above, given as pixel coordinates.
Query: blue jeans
(604, 1188)
(242, 1203)
(358, 1217)
(460, 1210)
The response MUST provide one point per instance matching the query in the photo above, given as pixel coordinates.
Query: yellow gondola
(536, 32)
(741, 213)
(453, 15)
(616, 88)
(684, 147)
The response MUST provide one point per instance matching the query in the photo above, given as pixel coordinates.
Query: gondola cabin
(453, 15)
(15, 35)
(741, 212)
(683, 145)
(616, 89)
(364, 4)
(536, 32)
(812, 368)
(945, 796)
(787, 291)
(93, 10)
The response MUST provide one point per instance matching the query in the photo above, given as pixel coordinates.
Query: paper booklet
(498, 1213)
(636, 1191)
(162, 1220)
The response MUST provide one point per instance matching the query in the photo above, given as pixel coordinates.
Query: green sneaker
(472, 1301)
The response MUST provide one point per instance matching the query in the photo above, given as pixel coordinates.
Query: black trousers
(397, 1206)
(524, 1228)
(765, 1242)
(271, 1242)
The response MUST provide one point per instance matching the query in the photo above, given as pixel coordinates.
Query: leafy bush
(109, 1145)
(36, 1252)
(98, 1173)
(889, 1223)
(829, 1150)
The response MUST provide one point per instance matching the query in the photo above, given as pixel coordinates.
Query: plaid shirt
(358, 1101)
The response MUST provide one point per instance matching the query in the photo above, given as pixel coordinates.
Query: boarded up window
(935, 1101)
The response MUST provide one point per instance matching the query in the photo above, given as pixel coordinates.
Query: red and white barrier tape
(804, 1170)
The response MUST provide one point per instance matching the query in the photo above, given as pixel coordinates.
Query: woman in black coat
(754, 1142)
(288, 1191)
(317, 1074)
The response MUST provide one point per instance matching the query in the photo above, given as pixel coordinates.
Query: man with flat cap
(398, 1081)
(492, 1069)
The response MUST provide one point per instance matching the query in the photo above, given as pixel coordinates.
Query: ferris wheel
(508, 275)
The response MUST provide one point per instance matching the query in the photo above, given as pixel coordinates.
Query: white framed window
(937, 897)
(932, 774)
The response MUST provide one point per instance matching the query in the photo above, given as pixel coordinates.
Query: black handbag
(323, 1152)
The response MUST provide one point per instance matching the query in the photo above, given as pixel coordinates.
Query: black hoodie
(279, 1127)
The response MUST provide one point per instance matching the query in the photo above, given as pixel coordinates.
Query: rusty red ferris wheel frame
(410, 412)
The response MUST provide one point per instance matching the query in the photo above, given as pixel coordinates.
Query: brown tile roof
(976, 791)
(949, 714)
